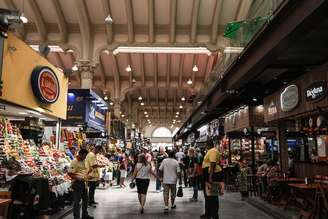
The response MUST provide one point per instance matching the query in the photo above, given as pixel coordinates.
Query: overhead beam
(39, 21)
(102, 71)
(142, 68)
(194, 21)
(62, 66)
(168, 70)
(116, 75)
(181, 69)
(173, 14)
(85, 28)
(155, 70)
(243, 9)
(62, 25)
(109, 26)
(151, 20)
(216, 21)
(129, 14)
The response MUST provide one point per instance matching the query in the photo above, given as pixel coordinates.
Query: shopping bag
(180, 192)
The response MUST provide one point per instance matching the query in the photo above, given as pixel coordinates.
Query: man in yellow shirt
(78, 173)
(211, 171)
(93, 173)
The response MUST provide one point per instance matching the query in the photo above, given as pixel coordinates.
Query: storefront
(300, 110)
(249, 138)
(32, 91)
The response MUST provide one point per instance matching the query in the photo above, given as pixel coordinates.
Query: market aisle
(117, 203)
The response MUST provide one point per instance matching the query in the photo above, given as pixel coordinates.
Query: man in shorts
(170, 171)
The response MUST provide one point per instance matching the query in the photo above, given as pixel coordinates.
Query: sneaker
(166, 210)
(173, 207)
(141, 211)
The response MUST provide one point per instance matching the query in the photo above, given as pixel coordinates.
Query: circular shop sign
(45, 84)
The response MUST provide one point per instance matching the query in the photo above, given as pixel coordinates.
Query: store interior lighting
(195, 68)
(145, 112)
(111, 103)
(177, 113)
(105, 98)
(189, 81)
(183, 98)
(134, 80)
(142, 104)
(140, 98)
(146, 116)
(180, 50)
(181, 107)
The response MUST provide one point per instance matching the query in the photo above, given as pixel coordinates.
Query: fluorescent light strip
(194, 50)
(233, 49)
(53, 48)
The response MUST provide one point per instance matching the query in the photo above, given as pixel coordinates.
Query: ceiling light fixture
(145, 112)
(189, 81)
(195, 68)
(123, 115)
(181, 107)
(111, 103)
(109, 19)
(179, 50)
(177, 116)
(146, 116)
(183, 98)
(23, 18)
(75, 68)
(142, 104)
(177, 113)
(254, 99)
(134, 81)
(128, 69)
(140, 98)
(105, 98)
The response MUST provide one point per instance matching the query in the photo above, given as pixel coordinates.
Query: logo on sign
(45, 84)
(316, 91)
(272, 109)
(289, 98)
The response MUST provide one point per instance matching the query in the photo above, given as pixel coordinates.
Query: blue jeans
(195, 187)
(158, 185)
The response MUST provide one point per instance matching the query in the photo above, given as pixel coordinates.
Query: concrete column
(86, 69)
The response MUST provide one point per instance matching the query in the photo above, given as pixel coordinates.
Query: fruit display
(19, 156)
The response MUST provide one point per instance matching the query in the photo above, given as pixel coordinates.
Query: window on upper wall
(162, 132)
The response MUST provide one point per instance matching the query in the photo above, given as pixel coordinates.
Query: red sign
(45, 84)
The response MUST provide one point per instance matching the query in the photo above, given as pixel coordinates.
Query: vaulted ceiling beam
(194, 21)
(181, 69)
(62, 25)
(243, 9)
(142, 68)
(39, 21)
(116, 75)
(173, 14)
(216, 21)
(129, 14)
(85, 28)
(109, 26)
(151, 20)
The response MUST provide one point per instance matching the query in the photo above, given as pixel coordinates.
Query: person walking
(142, 172)
(123, 166)
(193, 172)
(93, 173)
(159, 159)
(170, 170)
(78, 173)
(211, 170)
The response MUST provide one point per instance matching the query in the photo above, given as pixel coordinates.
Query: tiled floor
(123, 204)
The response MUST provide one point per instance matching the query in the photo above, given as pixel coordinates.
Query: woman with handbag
(142, 173)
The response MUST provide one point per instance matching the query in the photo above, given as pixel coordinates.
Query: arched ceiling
(79, 28)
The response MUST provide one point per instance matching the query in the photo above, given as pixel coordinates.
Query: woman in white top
(142, 173)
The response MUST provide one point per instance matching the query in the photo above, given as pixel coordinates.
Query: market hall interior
(107, 104)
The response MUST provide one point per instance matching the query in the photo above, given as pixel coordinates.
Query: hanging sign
(316, 91)
(45, 84)
(289, 98)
